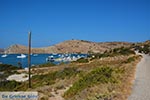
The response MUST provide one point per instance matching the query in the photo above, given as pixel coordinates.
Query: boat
(21, 56)
(54, 54)
(59, 59)
(5, 55)
(35, 54)
(50, 59)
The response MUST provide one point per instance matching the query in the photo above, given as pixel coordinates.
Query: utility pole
(29, 59)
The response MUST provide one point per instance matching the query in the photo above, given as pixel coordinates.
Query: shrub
(96, 76)
(129, 60)
(7, 70)
(47, 65)
(145, 48)
(114, 52)
(82, 60)
(48, 79)
(9, 85)
(7, 67)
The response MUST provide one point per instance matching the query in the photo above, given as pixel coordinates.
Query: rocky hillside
(82, 46)
(1, 50)
(145, 43)
(16, 49)
(71, 46)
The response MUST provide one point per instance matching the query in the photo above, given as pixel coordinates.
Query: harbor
(36, 59)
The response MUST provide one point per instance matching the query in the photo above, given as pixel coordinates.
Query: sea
(36, 59)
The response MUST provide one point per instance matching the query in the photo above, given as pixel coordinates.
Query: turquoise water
(35, 59)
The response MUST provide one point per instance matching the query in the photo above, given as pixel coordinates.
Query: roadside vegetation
(49, 64)
(113, 52)
(9, 85)
(6, 70)
(143, 49)
(6, 67)
(106, 82)
(41, 80)
(100, 75)
(50, 78)
(81, 60)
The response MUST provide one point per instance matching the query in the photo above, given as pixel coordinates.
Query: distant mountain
(71, 46)
(1, 50)
(82, 46)
(147, 42)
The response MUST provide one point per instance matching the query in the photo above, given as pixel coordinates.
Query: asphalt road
(141, 87)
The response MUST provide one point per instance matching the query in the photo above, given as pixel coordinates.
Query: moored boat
(21, 56)
(5, 55)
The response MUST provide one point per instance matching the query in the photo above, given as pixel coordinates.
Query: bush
(82, 60)
(96, 76)
(114, 52)
(7, 70)
(129, 60)
(67, 73)
(145, 48)
(47, 65)
(7, 67)
(48, 79)
(9, 85)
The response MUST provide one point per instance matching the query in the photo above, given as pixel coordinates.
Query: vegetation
(50, 78)
(85, 41)
(99, 79)
(46, 65)
(101, 75)
(6, 67)
(41, 80)
(9, 85)
(82, 60)
(114, 52)
(143, 49)
(107, 82)
(7, 70)
(130, 59)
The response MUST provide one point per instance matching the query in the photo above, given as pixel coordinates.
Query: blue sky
(53, 21)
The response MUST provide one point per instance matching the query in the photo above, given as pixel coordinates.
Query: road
(141, 87)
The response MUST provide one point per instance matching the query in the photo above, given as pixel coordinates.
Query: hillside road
(141, 87)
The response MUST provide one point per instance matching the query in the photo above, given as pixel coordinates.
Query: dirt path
(141, 88)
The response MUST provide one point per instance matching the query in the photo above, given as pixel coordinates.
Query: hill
(1, 50)
(82, 46)
(71, 46)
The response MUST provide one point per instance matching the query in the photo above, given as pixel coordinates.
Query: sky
(54, 21)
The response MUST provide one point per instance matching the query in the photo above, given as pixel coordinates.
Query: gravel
(141, 87)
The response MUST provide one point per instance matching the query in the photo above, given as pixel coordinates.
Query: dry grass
(118, 91)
